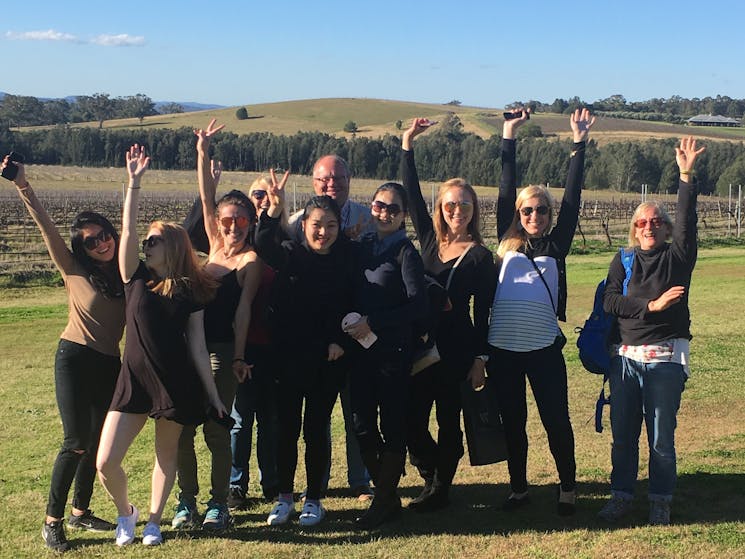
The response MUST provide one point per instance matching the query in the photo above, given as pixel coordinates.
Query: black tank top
(219, 313)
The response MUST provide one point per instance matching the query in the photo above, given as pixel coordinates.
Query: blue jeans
(255, 398)
(651, 391)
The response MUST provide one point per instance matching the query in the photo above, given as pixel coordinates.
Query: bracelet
(689, 172)
(134, 187)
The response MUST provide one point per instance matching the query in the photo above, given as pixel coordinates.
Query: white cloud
(48, 35)
(122, 40)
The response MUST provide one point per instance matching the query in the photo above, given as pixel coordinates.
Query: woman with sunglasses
(390, 297)
(234, 265)
(255, 397)
(313, 293)
(531, 294)
(87, 360)
(166, 370)
(649, 367)
(454, 254)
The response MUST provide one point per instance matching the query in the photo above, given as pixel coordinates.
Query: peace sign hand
(276, 194)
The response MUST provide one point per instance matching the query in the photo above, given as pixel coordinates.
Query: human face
(387, 212)
(155, 251)
(99, 244)
(330, 178)
(536, 223)
(260, 200)
(233, 223)
(650, 230)
(321, 228)
(457, 210)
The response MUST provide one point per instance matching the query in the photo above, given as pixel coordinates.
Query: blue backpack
(592, 341)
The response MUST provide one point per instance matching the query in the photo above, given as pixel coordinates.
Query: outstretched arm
(206, 178)
(685, 227)
(508, 180)
(129, 251)
(417, 206)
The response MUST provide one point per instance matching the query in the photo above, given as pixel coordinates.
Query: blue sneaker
(186, 516)
(217, 517)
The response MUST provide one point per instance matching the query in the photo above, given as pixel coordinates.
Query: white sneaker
(125, 527)
(281, 513)
(312, 514)
(151, 534)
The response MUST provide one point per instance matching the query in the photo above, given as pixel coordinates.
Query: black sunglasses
(92, 242)
(258, 194)
(150, 242)
(540, 210)
(392, 209)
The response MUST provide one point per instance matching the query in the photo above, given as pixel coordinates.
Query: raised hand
(581, 121)
(686, 154)
(509, 128)
(20, 180)
(137, 162)
(203, 136)
(276, 193)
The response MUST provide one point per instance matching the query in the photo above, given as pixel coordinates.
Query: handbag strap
(460, 259)
(540, 275)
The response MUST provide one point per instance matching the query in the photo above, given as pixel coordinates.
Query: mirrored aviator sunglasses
(452, 204)
(93, 241)
(540, 210)
(241, 221)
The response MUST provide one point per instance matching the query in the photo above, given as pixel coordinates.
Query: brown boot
(386, 505)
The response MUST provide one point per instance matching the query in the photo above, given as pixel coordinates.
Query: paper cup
(353, 318)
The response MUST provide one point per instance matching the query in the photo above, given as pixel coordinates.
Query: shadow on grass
(475, 510)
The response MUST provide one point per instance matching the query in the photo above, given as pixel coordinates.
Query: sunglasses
(241, 221)
(92, 242)
(391, 209)
(540, 210)
(451, 205)
(150, 242)
(655, 223)
(258, 194)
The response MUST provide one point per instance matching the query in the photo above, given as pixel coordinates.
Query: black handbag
(483, 424)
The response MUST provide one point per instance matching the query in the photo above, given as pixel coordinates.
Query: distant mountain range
(187, 105)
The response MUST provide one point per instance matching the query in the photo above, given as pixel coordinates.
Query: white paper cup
(353, 318)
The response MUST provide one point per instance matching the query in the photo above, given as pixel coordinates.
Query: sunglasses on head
(150, 242)
(391, 209)
(93, 241)
(258, 194)
(655, 223)
(540, 210)
(241, 221)
(452, 204)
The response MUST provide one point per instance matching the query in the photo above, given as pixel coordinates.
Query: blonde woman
(531, 295)
(165, 371)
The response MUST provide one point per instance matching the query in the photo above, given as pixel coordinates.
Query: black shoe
(271, 493)
(565, 505)
(237, 499)
(426, 490)
(380, 512)
(514, 503)
(436, 499)
(53, 534)
(87, 521)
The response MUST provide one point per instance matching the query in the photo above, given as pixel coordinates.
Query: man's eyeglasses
(391, 209)
(335, 178)
(92, 242)
(150, 242)
(258, 194)
(241, 221)
(540, 210)
(655, 223)
(452, 204)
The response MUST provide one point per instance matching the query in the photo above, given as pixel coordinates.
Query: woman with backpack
(454, 254)
(650, 363)
(531, 294)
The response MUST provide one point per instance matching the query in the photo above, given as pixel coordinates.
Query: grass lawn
(708, 512)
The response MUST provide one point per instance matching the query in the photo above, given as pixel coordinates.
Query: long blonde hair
(184, 275)
(641, 208)
(438, 219)
(515, 237)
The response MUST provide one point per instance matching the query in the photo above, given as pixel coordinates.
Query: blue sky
(484, 53)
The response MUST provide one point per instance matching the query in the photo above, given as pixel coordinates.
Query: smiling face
(321, 229)
(650, 228)
(234, 223)
(457, 210)
(98, 244)
(331, 178)
(387, 212)
(538, 217)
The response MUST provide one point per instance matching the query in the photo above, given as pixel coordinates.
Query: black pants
(546, 371)
(318, 386)
(380, 382)
(84, 383)
(437, 385)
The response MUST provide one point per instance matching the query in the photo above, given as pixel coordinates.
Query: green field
(708, 512)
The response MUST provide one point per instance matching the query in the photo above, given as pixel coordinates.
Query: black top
(219, 313)
(654, 272)
(312, 292)
(558, 242)
(458, 338)
(157, 375)
(391, 290)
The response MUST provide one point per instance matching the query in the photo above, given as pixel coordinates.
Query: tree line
(448, 151)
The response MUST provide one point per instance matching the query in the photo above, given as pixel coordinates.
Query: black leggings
(84, 382)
